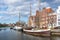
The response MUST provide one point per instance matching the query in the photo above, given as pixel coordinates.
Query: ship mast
(30, 9)
(38, 4)
(19, 18)
(30, 15)
(39, 13)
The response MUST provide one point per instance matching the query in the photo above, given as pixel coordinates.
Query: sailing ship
(33, 31)
(18, 27)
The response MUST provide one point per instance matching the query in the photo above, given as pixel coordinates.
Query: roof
(47, 9)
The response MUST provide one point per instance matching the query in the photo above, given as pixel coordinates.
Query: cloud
(11, 1)
(24, 8)
(14, 7)
(1, 17)
(44, 4)
(56, 1)
(58, 10)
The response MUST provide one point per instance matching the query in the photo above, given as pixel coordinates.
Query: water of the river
(8, 34)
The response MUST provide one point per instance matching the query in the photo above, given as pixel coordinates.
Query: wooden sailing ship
(33, 31)
(18, 27)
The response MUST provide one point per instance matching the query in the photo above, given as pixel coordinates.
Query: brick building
(43, 19)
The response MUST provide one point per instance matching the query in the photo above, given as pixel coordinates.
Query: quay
(55, 32)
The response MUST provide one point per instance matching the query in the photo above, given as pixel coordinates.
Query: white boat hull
(42, 30)
(17, 28)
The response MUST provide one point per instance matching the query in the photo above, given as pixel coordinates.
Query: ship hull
(38, 32)
(18, 28)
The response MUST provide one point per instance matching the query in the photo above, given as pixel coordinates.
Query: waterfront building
(45, 18)
(58, 16)
(31, 21)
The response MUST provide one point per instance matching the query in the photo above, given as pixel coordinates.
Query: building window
(58, 19)
(37, 19)
(42, 19)
(58, 23)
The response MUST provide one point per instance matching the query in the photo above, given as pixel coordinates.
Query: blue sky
(10, 9)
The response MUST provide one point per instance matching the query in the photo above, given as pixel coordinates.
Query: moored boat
(35, 29)
(38, 32)
(11, 27)
(18, 28)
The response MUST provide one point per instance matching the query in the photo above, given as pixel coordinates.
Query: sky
(10, 9)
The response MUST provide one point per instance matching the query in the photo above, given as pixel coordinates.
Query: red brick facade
(43, 18)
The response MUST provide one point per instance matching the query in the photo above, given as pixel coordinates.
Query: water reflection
(17, 35)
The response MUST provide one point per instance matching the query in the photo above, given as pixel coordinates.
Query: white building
(58, 16)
